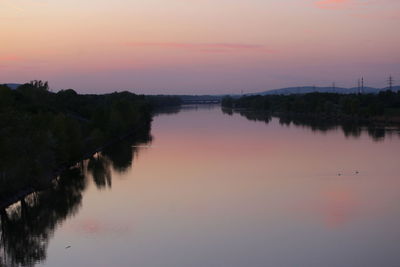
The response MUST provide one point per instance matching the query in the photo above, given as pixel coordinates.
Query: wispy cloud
(334, 4)
(207, 47)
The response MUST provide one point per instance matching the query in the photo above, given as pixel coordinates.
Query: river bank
(43, 133)
(46, 181)
(382, 108)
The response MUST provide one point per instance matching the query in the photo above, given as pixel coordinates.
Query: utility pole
(359, 86)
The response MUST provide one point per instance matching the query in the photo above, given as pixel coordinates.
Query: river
(216, 189)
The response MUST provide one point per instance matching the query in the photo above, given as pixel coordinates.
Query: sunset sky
(198, 46)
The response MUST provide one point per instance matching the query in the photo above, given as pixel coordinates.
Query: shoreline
(380, 121)
(21, 194)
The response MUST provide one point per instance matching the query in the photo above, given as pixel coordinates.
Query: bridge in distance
(205, 99)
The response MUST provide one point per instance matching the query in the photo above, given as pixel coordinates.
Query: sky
(199, 46)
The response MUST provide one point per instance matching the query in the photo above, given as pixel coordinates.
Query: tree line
(42, 131)
(384, 106)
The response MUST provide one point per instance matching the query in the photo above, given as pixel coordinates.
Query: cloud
(206, 47)
(333, 4)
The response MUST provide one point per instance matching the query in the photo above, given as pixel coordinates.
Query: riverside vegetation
(382, 107)
(42, 133)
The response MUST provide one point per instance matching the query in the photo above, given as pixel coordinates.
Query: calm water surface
(219, 190)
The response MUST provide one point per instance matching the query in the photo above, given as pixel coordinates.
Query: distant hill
(13, 85)
(312, 89)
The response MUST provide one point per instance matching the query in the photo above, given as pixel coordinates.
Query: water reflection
(269, 194)
(349, 128)
(99, 168)
(27, 226)
(172, 110)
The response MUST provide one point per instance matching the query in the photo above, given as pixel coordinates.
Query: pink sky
(198, 46)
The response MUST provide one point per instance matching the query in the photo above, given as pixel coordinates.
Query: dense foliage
(164, 101)
(41, 131)
(382, 106)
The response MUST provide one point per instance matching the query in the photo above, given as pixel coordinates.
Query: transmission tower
(390, 81)
(362, 85)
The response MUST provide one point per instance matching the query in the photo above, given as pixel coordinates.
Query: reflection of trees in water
(27, 226)
(99, 168)
(121, 154)
(168, 110)
(119, 157)
(349, 128)
(253, 116)
(378, 134)
(227, 111)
